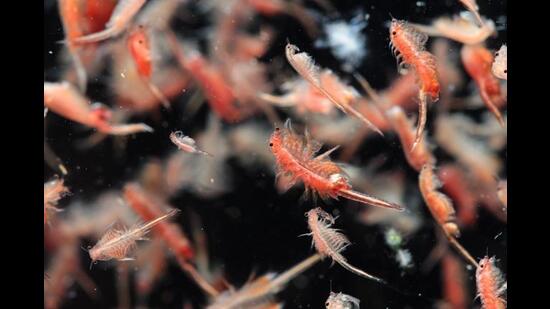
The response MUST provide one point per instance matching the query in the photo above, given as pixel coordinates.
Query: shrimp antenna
(393, 18)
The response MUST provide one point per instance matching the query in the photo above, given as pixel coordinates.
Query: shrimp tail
(367, 199)
(158, 94)
(98, 36)
(126, 129)
(422, 111)
(491, 106)
(359, 272)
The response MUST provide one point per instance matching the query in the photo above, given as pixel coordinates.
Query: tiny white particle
(211, 180)
(122, 75)
(50, 52)
(420, 3)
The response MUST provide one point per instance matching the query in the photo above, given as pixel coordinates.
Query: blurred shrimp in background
(193, 98)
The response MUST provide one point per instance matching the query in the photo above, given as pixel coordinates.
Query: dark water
(253, 228)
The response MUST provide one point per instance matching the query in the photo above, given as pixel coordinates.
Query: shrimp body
(116, 244)
(455, 184)
(454, 283)
(478, 62)
(295, 156)
(490, 285)
(439, 204)
(98, 13)
(186, 143)
(54, 190)
(408, 45)
(138, 45)
(218, 93)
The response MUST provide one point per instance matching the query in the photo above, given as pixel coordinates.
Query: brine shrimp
(441, 208)
(260, 292)
(330, 242)
(500, 65)
(306, 67)
(63, 99)
(186, 143)
(54, 190)
(459, 28)
(214, 86)
(124, 11)
(416, 156)
(140, 49)
(478, 62)
(472, 6)
(341, 301)
(295, 156)
(490, 284)
(302, 96)
(408, 45)
(118, 243)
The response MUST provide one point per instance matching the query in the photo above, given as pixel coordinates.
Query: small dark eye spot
(496, 54)
(277, 129)
(140, 41)
(506, 71)
(394, 33)
(270, 144)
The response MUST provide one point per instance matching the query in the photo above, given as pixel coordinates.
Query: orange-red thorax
(488, 281)
(71, 15)
(411, 47)
(323, 176)
(138, 44)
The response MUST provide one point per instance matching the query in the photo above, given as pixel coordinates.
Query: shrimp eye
(327, 304)
(277, 129)
(140, 41)
(394, 33)
(270, 144)
(505, 71)
(496, 54)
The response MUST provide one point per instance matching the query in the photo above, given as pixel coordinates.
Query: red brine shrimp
(408, 45)
(490, 285)
(65, 100)
(140, 49)
(478, 62)
(295, 157)
(455, 184)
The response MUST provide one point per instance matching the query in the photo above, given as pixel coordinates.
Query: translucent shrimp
(330, 242)
(500, 65)
(122, 14)
(260, 292)
(117, 244)
(341, 301)
(295, 156)
(502, 193)
(186, 143)
(490, 284)
(478, 62)
(306, 67)
(408, 45)
(459, 28)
